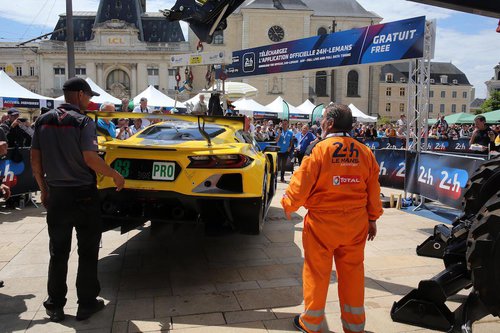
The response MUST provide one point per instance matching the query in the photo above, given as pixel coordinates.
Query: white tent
(237, 89)
(156, 98)
(13, 94)
(294, 113)
(360, 116)
(306, 107)
(250, 107)
(104, 96)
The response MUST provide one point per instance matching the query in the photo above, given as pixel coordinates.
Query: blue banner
(376, 43)
(15, 169)
(440, 177)
(392, 168)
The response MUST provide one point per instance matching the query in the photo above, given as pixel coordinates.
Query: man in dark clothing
(483, 135)
(64, 160)
(14, 128)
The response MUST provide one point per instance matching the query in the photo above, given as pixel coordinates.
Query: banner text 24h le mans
(376, 43)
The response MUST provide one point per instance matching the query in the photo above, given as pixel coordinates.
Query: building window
(154, 77)
(388, 91)
(19, 71)
(59, 77)
(464, 108)
(453, 108)
(464, 94)
(322, 31)
(431, 107)
(388, 107)
(453, 94)
(321, 84)
(81, 71)
(389, 77)
(401, 107)
(402, 91)
(431, 93)
(172, 83)
(443, 94)
(441, 108)
(218, 37)
(352, 84)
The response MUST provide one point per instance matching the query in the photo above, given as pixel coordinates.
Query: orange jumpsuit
(338, 184)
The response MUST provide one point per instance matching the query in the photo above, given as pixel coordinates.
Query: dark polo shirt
(62, 135)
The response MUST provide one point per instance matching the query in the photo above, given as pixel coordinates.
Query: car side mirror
(271, 149)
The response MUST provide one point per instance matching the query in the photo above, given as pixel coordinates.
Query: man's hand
(5, 191)
(119, 181)
(44, 196)
(372, 230)
(3, 148)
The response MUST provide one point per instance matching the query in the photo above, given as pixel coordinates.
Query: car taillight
(229, 161)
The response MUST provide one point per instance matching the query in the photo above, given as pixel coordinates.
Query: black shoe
(55, 315)
(86, 312)
(1, 283)
(297, 325)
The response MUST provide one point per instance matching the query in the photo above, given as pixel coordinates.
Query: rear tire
(481, 186)
(483, 254)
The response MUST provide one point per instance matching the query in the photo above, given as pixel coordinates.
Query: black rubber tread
(483, 254)
(483, 183)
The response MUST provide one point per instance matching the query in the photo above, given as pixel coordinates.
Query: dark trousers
(300, 156)
(282, 158)
(76, 207)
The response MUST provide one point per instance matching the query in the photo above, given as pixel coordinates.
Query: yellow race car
(188, 169)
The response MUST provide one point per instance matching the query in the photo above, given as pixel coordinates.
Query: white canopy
(237, 89)
(11, 89)
(250, 107)
(306, 107)
(294, 113)
(104, 96)
(360, 116)
(156, 98)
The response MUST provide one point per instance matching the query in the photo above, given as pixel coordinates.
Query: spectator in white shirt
(123, 132)
(137, 126)
(143, 108)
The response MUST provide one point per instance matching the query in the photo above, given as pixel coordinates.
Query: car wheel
(250, 213)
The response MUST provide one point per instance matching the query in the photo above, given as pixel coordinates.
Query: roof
(153, 27)
(477, 102)
(349, 8)
(276, 4)
(400, 70)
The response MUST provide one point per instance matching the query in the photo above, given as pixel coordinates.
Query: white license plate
(163, 171)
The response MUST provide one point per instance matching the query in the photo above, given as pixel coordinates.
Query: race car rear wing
(236, 123)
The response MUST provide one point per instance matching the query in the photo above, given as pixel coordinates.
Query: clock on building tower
(276, 33)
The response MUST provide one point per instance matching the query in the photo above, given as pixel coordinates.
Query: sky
(468, 41)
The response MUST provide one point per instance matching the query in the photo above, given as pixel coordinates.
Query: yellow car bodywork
(164, 180)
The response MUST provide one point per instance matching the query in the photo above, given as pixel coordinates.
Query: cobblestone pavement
(185, 281)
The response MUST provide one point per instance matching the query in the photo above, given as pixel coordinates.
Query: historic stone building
(450, 90)
(493, 84)
(121, 47)
(262, 22)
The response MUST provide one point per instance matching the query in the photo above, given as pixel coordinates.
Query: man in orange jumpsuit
(338, 183)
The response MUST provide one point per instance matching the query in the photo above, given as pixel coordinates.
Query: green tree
(492, 103)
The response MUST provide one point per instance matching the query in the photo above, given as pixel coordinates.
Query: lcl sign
(115, 40)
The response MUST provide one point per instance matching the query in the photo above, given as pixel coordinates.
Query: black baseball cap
(13, 112)
(77, 84)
